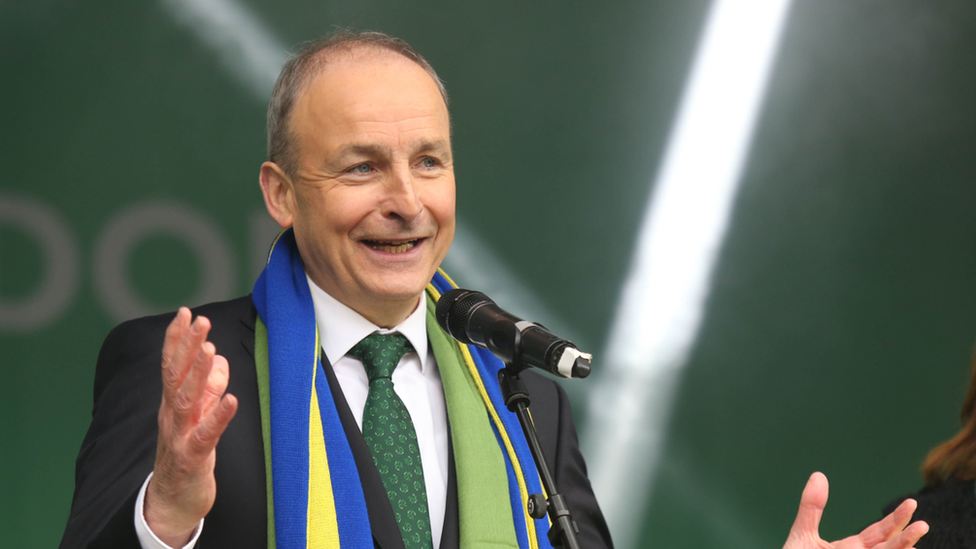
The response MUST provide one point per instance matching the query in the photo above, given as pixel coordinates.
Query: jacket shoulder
(135, 340)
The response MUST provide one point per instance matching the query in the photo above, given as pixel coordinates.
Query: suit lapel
(248, 320)
(451, 534)
(239, 515)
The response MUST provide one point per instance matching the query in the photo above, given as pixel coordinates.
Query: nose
(402, 200)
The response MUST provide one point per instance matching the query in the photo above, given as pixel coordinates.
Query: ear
(279, 194)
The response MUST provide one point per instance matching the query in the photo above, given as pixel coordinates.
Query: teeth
(391, 247)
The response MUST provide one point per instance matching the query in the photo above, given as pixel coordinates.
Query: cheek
(441, 205)
(335, 214)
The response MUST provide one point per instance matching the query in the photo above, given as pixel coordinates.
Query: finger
(908, 537)
(812, 503)
(216, 384)
(205, 436)
(185, 354)
(174, 333)
(188, 401)
(888, 527)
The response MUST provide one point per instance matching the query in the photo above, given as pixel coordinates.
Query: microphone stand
(563, 531)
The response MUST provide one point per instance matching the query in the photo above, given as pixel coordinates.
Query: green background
(841, 317)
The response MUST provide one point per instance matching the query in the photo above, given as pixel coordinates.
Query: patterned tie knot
(380, 353)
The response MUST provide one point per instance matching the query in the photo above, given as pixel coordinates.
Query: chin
(399, 292)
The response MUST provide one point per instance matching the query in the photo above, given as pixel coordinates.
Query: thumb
(812, 503)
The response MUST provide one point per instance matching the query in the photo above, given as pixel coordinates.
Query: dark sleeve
(118, 451)
(553, 418)
(950, 511)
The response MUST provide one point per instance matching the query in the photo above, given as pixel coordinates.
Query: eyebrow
(438, 146)
(426, 146)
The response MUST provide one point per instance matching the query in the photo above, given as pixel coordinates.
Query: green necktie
(392, 439)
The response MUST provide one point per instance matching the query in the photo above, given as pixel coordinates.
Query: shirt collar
(340, 327)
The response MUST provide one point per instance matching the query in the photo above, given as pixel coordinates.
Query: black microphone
(471, 317)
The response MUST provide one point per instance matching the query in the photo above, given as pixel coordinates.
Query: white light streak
(663, 298)
(244, 46)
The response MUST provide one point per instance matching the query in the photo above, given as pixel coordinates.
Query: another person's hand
(193, 414)
(888, 533)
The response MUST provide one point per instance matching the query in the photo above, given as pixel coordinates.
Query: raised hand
(888, 533)
(193, 414)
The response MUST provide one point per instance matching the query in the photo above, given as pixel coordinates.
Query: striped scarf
(315, 498)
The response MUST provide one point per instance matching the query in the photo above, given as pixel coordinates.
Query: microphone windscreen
(454, 309)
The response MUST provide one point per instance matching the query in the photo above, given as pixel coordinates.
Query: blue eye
(429, 163)
(361, 169)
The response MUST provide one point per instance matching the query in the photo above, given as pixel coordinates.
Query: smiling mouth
(393, 247)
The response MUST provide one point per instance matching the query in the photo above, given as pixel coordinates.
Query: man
(361, 169)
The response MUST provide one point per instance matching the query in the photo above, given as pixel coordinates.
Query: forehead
(365, 92)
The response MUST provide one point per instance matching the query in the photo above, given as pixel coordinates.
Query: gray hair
(300, 70)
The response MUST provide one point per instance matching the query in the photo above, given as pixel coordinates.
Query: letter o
(139, 221)
(60, 259)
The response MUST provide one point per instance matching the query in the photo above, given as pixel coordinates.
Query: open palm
(888, 533)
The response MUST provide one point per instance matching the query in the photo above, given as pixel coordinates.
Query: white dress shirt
(416, 381)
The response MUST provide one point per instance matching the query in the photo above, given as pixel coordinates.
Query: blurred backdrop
(759, 215)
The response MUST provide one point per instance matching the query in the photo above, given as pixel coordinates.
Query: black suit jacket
(120, 447)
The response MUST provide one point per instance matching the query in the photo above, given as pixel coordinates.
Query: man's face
(373, 203)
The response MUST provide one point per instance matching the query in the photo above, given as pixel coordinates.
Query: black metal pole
(563, 532)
